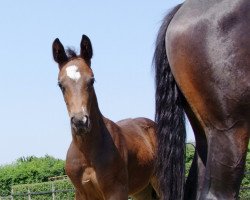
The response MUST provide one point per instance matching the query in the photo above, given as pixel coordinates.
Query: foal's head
(76, 81)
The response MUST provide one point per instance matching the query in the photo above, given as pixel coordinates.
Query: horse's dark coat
(207, 51)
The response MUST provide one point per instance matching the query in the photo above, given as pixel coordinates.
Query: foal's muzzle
(80, 123)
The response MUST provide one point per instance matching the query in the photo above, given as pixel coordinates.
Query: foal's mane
(71, 53)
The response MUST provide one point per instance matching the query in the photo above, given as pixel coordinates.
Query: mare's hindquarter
(208, 47)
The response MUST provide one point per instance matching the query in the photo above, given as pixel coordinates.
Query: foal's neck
(90, 143)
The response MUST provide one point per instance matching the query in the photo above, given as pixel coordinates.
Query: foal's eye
(61, 87)
(91, 82)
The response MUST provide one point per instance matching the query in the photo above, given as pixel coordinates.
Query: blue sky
(33, 118)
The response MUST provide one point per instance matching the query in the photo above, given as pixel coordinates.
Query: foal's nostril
(73, 120)
(85, 119)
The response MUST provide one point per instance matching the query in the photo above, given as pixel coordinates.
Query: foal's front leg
(77, 195)
(117, 193)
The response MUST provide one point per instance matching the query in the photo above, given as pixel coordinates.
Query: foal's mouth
(80, 130)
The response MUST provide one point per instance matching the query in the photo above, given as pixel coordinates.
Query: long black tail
(171, 133)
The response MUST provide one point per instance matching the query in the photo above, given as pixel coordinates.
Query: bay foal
(105, 160)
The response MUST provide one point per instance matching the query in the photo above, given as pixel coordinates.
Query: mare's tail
(171, 133)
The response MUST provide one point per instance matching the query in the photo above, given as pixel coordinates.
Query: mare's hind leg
(194, 182)
(155, 185)
(225, 162)
(145, 194)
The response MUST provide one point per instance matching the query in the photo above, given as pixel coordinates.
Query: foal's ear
(86, 48)
(59, 53)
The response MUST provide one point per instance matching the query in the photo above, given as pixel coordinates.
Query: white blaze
(73, 73)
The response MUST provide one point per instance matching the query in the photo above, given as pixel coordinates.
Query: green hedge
(63, 190)
(29, 170)
(190, 150)
(32, 170)
(245, 192)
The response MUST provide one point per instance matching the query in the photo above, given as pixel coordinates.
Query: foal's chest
(90, 185)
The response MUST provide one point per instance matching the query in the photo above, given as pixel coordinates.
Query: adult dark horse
(105, 160)
(202, 64)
